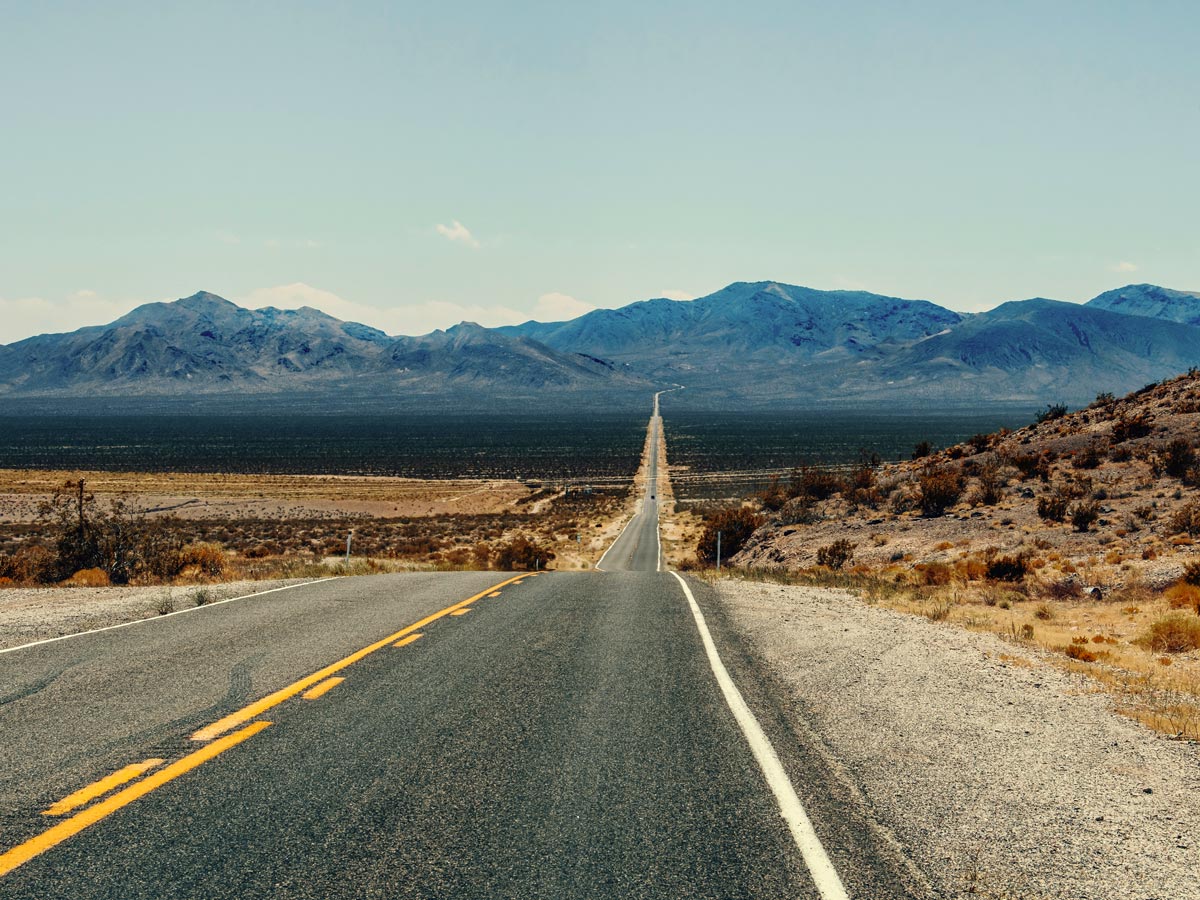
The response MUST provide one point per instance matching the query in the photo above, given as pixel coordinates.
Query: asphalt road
(562, 736)
(638, 548)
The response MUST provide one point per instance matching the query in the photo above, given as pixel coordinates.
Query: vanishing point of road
(428, 735)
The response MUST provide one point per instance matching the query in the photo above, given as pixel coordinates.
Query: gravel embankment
(35, 614)
(1001, 779)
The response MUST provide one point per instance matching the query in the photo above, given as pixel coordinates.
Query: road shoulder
(996, 776)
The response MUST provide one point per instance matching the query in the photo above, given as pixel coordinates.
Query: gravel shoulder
(36, 614)
(1001, 777)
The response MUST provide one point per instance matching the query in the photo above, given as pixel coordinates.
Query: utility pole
(718, 551)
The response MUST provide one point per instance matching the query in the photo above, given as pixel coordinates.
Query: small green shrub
(1084, 515)
(734, 526)
(940, 489)
(1191, 573)
(520, 554)
(1178, 457)
(1090, 457)
(835, 555)
(1130, 428)
(165, 604)
(1051, 412)
(1052, 507)
(816, 484)
(1007, 568)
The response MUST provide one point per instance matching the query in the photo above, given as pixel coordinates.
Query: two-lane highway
(439, 735)
(638, 548)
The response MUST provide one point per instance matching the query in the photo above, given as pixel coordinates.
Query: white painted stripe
(178, 612)
(617, 541)
(824, 875)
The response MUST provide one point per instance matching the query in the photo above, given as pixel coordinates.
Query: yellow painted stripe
(101, 787)
(68, 828)
(246, 713)
(404, 642)
(323, 688)
(460, 612)
(494, 594)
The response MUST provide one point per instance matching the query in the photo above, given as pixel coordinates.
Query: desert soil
(217, 496)
(1001, 776)
(36, 614)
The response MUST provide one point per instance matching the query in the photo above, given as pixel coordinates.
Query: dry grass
(1175, 633)
(1119, 643)
(215, 495)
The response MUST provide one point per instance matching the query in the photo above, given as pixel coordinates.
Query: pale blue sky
(964, 153)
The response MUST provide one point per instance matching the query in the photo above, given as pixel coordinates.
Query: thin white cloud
(23, 317)
(407, 318)
(459, 233)
(1124, 266)
(676, 294)
(294, 296)
(556, 307)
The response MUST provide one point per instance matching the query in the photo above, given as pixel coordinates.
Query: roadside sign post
(348, 537)
(718, 551)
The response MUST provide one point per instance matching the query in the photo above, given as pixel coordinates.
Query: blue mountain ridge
(751, 343)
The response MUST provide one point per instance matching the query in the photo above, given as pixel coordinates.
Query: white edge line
(614, 543)
(178, 612)
(824, 875)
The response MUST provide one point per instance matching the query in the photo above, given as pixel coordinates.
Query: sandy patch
(1001, 776)
(35, 614)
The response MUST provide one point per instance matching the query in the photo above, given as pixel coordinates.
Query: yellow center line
(246, 713)
(67, 828)
(494, 594)
(461, 612)
(103, 786)
(323, 688)
(404, 642)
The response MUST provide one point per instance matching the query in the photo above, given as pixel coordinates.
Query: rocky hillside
(1152, 301)
(1107, 495)
(1073, 539)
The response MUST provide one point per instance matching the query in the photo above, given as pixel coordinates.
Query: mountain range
(749, 344)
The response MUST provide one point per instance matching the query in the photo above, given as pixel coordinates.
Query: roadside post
(718, 551)
(348, 537)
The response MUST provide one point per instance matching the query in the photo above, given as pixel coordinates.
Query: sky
(411, 165)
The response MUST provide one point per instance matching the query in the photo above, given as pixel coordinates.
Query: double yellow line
(214, 746)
